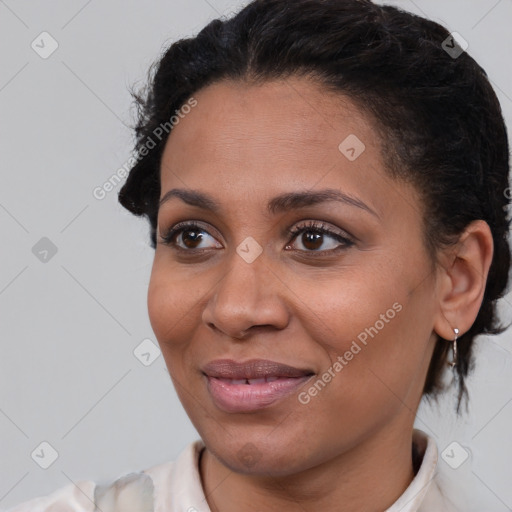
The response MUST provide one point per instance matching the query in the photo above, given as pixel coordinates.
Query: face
(335, 282)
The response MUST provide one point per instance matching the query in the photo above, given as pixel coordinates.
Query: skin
(349, 447)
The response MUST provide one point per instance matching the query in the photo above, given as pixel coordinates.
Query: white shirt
(176, 487)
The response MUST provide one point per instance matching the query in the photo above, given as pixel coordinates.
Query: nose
(250, 296)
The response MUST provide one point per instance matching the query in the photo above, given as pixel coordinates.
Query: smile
(246, 395)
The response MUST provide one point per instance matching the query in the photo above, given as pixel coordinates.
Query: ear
(462, 277)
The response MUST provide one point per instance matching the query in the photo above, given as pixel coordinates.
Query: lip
(251, 385)
(252, 369)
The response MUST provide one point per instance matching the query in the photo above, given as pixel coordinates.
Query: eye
(314, 236)
(188, 236)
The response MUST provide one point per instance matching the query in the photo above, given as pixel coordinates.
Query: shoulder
(159, 487)
(131, 492)
(74, 497)
(430, 479)
(424, 493)
(436, 499)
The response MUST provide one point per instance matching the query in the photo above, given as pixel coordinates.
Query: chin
(261, 455)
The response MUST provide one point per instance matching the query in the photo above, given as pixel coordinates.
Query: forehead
(264, 139)
(284, 113)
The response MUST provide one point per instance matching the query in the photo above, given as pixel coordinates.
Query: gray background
(70, 324)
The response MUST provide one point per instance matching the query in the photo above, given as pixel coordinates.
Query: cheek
(366, 320)
(341, 307)
(170, 303)
(381, 333)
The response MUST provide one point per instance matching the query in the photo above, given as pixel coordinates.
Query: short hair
(438, 118)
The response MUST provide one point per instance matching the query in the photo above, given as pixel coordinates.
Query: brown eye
(188, 236)
(191, 238)
(312, 241)
(315, 237)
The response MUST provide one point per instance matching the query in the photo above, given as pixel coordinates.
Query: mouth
(252, 385)
(252, 369)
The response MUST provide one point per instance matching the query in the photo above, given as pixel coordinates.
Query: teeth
(260, 380)
(257, 381)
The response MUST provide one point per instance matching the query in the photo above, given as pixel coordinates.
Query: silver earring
(453, 362)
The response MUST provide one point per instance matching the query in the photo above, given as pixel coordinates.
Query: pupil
(196, 238)
(314, 239)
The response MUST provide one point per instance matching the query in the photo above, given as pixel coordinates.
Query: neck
(369, 477)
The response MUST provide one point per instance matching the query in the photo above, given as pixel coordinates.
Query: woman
(329, 225)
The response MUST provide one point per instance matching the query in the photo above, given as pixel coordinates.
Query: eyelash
(320, 228)
(310, 226)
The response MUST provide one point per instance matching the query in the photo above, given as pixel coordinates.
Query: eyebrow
(282, 203)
